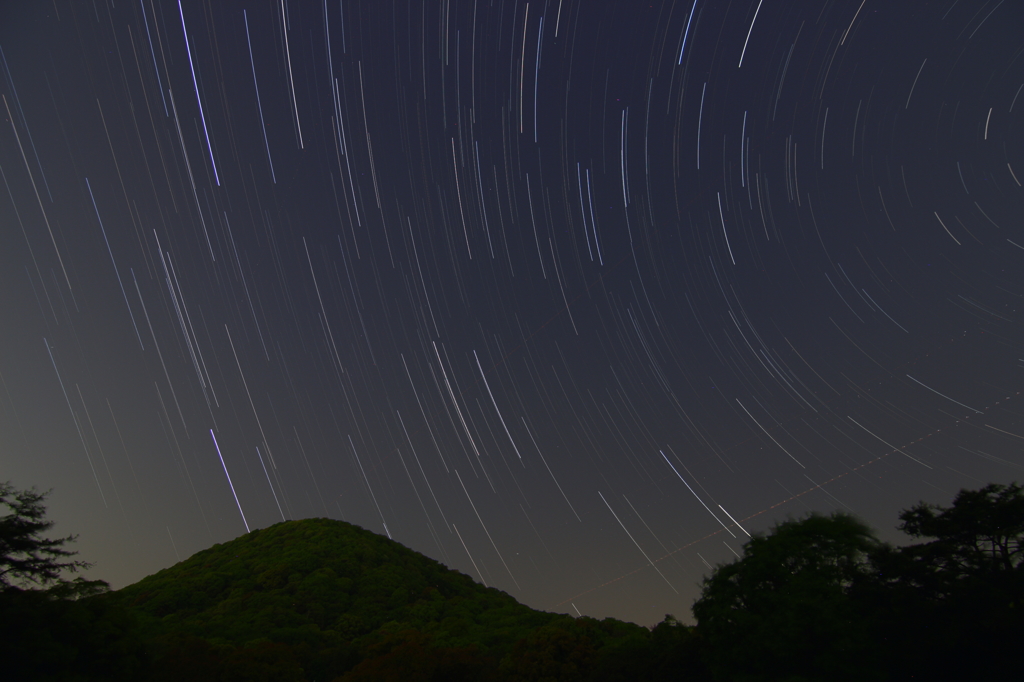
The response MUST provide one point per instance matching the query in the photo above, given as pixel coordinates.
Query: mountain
(306, 579)
(320, 599)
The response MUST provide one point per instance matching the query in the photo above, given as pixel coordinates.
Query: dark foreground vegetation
(816, 599)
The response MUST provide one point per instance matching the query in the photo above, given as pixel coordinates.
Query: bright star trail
(470, 273)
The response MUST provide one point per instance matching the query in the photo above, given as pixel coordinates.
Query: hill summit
(318, 576)
(320, 599)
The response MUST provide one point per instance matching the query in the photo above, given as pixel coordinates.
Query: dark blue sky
(563, 294)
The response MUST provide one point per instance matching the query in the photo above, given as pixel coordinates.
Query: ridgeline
(817, 598)
(319, 599)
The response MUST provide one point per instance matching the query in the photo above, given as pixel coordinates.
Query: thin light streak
(550, 472)
(768, 434)
(481, 575)
(744, 52)
(42, 210)
(735, 521)
(156, 70)
(915, 83)
(637, 543)
(700, 119)
(686, 33)
(486, 532)
(495, 403)
(81, 437)
(118, 274)
(291, 78)
(270, 484)
(259, 105)
(229, 480)
(195, 83)
(894, 448)
(695, 494)
(372, 496)
(722, 216)
(943, 395)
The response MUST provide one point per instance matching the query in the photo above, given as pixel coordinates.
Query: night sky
(567, 295)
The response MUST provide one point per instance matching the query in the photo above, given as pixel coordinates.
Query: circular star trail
(568, 295)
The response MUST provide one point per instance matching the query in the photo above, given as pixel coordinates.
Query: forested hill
(320, 599)
(319, 576)
(818, 598)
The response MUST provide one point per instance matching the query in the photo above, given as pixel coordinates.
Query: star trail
(539, 289)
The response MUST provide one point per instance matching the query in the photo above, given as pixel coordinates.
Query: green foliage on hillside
(319, 600)
(320, 581)
(817, 598)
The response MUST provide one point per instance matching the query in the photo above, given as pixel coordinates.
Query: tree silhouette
(27, 558)
(820, 598)
(784, 610)
(952, 607)
(48, 632)
(980, 539)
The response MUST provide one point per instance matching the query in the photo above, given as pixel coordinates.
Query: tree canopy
(27, 558)
(821, 598)
(784, 608)
(953, 605)
(979, 538)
